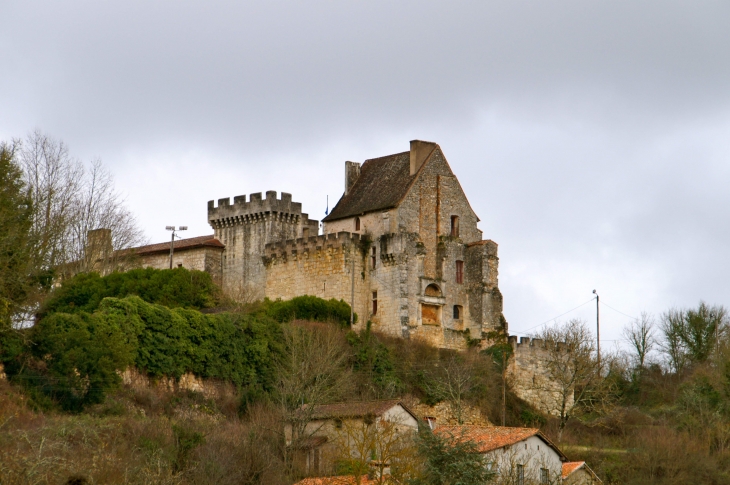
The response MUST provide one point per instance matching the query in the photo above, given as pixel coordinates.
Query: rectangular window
(375, 302)
(460, 272)
(454, 226)
(457, 312)
(544, 476)
(372, 258)
(520, 475)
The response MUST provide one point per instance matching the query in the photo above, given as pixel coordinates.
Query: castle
(402, 246)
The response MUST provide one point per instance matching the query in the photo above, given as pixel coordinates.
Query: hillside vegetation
(662, 419)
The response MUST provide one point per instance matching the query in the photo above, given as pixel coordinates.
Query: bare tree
(99, 206)
(640, 334)
(314, 371)
(70, 201)
(370, 446)
(54, 179)
(454, 379)
(570, 379)
(672, 345)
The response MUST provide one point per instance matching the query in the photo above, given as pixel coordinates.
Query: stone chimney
(98, 244)
(420, 150)
(352, 172)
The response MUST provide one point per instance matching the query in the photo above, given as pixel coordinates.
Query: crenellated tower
(246, 227)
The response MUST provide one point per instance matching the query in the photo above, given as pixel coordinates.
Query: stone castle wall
(246, 227)
(201, 259)
(530, 378)
(322, 266)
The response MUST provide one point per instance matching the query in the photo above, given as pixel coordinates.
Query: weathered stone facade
(245, 228)
(402, 245)
(530, 379)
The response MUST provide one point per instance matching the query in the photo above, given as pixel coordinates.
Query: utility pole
(504, 389)
(172, 239)
(598, 330)
(352, 290)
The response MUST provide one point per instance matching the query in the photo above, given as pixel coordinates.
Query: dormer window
(357, 223)
(454, 226)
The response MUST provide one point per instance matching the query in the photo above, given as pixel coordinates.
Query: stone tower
(246, 228)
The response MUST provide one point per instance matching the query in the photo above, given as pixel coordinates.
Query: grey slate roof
(382, 184)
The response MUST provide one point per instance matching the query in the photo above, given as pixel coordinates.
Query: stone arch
(433, 290)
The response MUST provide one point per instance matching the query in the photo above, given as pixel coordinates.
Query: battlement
(311, 244)
(256, 209)
(527, 344)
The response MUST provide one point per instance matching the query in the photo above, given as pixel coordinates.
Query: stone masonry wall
(246, 228)
(529, 375)
(320, 266)
(201, 259)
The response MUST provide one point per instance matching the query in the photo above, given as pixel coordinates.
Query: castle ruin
(402, 245)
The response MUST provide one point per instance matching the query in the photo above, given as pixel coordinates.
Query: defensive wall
(245, 227)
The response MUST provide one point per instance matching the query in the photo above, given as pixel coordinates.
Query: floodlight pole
(172, 239)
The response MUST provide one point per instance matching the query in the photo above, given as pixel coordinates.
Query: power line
(554, 318)
(617, 311)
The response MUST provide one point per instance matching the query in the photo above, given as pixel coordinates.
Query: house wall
(201, 258)
(580, 477)
(533, 453)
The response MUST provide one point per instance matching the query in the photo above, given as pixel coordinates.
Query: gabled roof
(382, 184)
(572, 466)
(356, 409)
(180, 244)
(490, 438)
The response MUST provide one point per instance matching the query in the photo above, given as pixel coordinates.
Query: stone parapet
(257, 209)
(310, 244)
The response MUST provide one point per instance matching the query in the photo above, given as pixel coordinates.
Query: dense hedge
(173, 288)
(309, 308)
(81, 352)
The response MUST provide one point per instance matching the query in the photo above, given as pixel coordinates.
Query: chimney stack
(352, 172)
(420, 150)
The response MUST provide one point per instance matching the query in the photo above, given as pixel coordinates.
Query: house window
(357, 223)
(457, 312)
(520, 474)
(338, 423)
(454, 226)
(544, 476)
(372, 258)
(179, 265)
(375, 302)
(460, 272)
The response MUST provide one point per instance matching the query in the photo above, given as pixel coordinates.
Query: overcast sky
(592, 138)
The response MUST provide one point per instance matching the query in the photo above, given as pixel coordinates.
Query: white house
(522, 456)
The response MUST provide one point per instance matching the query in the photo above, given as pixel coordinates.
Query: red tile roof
(180, 245)
(355, 409)
(570, 467)
(490, 438)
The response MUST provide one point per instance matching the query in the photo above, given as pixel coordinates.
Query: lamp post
(598, 330)
(172, 239)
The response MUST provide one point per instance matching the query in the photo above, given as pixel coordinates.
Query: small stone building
(331, 428)
(517, 455)
(402, 245)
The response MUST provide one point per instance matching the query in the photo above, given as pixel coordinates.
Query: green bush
(173, 288)
(309, 308)
(79, 356)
